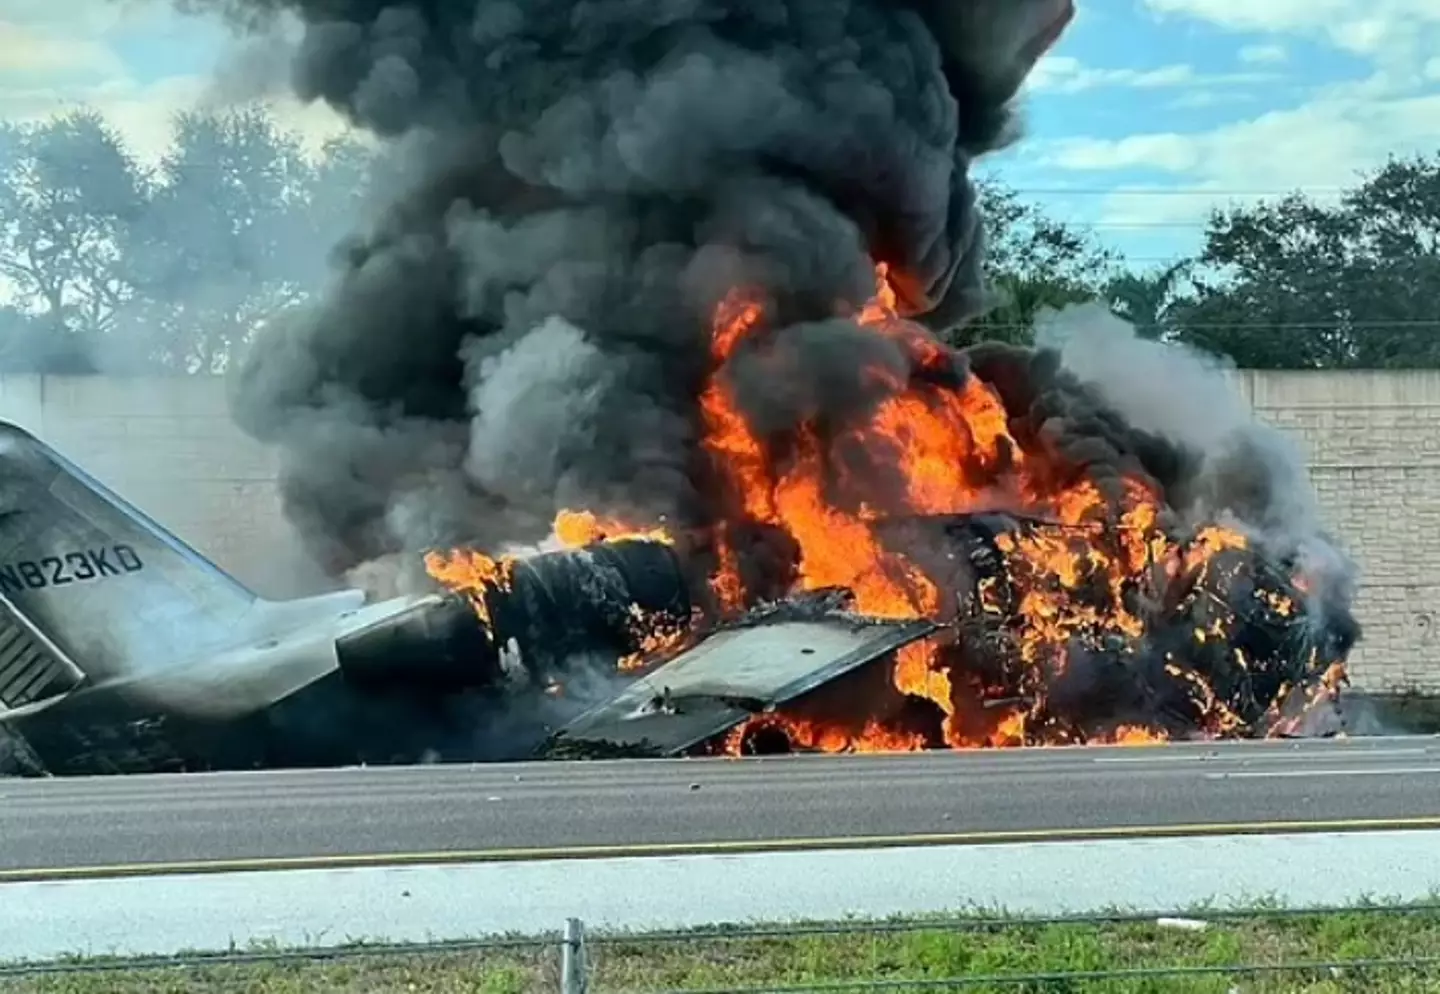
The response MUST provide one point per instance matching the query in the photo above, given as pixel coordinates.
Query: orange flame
(817, 737)
(471, 573)
(938, 441)
(947, 440)
(1136, 735)
(475, 574)
(575, 529)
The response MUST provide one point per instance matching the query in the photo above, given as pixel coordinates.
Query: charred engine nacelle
(599, 601)
(438, 646)
(962, 554)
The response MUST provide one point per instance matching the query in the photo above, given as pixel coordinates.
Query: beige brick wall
(1373, 442)
(169, 447)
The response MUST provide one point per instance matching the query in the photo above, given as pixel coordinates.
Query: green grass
(714, 960)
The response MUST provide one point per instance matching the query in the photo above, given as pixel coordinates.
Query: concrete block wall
(1372, 441)
(168, 446)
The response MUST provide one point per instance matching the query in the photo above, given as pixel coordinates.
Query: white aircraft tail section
(90, 587)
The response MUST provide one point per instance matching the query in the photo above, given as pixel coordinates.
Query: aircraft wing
(733, 674)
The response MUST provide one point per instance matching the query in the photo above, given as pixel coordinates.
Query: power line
(1348, 326)
(1197, 225)
(1143, 225)
(1177, 191)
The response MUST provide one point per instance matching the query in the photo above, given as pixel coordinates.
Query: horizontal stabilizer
(33, 672)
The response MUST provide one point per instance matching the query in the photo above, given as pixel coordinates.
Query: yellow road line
(399, 859)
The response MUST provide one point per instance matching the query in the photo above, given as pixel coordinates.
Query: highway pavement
(54, 829)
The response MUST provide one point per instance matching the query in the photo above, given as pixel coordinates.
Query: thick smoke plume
(527, 326)
(633, 272)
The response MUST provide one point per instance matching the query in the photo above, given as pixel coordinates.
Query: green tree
(1294, 283)
(1148, 300)
(219, 251)
(1395, 282)
(1033, 262)
(70, 193)
(107, 265)
(340, 195)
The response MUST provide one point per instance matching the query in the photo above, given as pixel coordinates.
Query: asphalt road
(428, 814)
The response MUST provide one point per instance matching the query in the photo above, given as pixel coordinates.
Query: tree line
(109, 264)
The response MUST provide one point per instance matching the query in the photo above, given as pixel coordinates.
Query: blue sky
(1194, 103)
(1147, 114)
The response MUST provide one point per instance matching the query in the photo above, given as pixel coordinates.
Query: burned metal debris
(1221, 645)
(739, 671)
(606, 600)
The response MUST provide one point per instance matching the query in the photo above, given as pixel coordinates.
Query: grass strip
(1392, 950)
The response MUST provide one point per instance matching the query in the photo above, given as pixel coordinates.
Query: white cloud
(1173, 153)
(56, 56)
(1396, 34)
(1323, 144)
(1346, 127)
(79, 17)
(1344, 20)
(143, 112)
(1264, 55)
(28, 50)
(1066, 74)
(1192, 99)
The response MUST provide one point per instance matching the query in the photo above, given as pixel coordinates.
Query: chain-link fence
(1259, 951)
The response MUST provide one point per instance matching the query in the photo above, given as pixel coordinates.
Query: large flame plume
(1086, 576)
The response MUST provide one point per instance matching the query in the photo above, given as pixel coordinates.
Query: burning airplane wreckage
(935, 573)
(670, 284)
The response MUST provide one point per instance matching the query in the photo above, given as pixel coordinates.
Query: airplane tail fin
(90, 587)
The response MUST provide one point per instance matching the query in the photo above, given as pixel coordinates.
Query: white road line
(1391, 771)
(1259, 758)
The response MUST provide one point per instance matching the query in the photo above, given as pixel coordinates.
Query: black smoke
(527, 324)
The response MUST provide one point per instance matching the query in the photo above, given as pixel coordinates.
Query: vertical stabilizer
(90, 586)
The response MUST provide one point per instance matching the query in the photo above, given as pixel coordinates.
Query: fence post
(574, 976)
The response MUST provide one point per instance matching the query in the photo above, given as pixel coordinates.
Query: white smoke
(535, 404)
(1253, 474)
